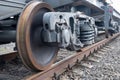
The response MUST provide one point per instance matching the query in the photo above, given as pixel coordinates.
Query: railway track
(39, 32)
(67, 63)
(9, 55)
(7, 52)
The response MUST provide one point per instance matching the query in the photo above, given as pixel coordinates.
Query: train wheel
(35, 54)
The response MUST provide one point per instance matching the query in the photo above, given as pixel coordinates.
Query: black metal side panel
(10, 7)
(58, 3)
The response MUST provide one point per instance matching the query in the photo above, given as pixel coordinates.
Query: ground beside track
(107, 69)
(15, 70)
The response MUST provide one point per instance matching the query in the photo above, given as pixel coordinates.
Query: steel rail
(8, 57)
(62, 65)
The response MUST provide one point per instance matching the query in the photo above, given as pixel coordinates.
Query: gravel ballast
(107, 69)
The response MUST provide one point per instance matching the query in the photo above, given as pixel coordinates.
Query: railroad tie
(108, 47)
(103, 50)
(97, 55)
(100, 52)
(93, 59)
(86, 64)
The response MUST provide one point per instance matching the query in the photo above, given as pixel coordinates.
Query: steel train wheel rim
(34, 56)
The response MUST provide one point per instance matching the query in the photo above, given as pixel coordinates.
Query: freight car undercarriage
(41, 32)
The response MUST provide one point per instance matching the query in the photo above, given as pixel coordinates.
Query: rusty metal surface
(34, 54)
(8, 57)
(61, 66)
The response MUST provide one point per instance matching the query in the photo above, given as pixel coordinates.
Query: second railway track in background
(7, 52)
(65, 64)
